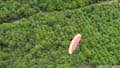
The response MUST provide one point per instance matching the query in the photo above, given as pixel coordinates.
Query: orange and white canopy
(74, 43)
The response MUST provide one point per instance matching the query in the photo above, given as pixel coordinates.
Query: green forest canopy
(15, 9)
(42, 40)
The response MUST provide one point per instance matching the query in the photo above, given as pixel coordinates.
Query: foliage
(15, 9)
(42, 40)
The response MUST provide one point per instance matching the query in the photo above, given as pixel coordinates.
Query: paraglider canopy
(74, 43)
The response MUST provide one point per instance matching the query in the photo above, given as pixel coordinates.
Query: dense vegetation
(42, 40)
(15, 9)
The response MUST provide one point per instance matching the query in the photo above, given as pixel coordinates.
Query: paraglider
(74, 43)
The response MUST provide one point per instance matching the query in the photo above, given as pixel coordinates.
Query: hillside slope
(42, 40)
(11, 10)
